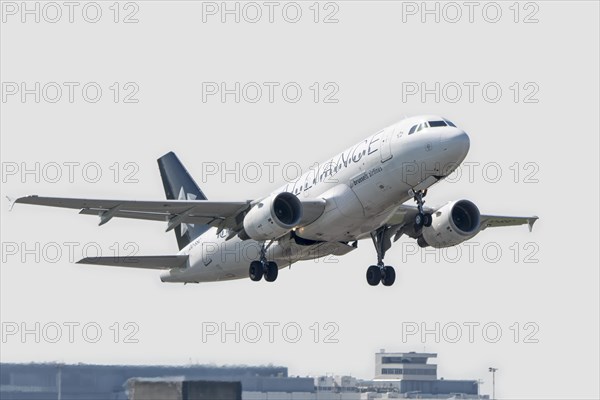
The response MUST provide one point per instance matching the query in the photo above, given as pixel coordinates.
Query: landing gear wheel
(419, 220)
(272, 272)
(389, 276)
(382, 241)
(422, 218)
(374, 275)
(256, 271)
(427, 219)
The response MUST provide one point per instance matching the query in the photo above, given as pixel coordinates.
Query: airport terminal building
(397, 375)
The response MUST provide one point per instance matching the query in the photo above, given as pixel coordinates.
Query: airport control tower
(410, 372)
(405, 366)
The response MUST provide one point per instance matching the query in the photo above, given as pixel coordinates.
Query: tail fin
(179, 185)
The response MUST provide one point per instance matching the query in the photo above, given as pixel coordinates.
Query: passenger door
(386, 144)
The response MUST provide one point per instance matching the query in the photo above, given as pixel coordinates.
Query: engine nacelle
(273, 217)
(452, 224)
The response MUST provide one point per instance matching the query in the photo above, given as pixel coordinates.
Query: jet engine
(452, 224)
(273, 217)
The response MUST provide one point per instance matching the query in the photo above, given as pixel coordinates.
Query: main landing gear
(386, 274)
(422, 218)
(262, 267)
(381, 272)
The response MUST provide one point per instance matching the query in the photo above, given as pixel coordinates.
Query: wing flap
(148, 262)
(156, 216)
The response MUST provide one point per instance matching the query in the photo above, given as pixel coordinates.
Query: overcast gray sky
(525, 91)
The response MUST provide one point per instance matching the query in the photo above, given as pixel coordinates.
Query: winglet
(531, 221)
(11, 202)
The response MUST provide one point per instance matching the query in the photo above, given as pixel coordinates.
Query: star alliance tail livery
(179, 185)
(357, 194)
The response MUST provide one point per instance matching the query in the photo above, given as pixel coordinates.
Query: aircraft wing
(219, 214)
(149, 262)
(406, 214)
(488, 221)
(215, 213)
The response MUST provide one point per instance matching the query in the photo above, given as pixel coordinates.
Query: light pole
(493, 371)
(59, 382)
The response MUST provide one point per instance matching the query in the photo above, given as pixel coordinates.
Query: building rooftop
(408, 354)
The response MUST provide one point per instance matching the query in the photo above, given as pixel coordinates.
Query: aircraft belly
(214, 259)
(319, 250)
(343, 213)
(376, 189)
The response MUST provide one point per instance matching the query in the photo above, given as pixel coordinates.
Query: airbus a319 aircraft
(357, 194)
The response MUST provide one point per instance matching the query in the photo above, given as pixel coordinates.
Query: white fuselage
(363, 187)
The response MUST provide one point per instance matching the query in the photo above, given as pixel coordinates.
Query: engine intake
(452, 224)
(273, 217)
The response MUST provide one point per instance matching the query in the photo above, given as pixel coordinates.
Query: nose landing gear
(422, 218)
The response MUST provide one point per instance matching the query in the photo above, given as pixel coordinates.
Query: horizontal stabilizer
(149, 262)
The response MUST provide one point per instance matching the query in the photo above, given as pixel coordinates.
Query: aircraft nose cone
(456, 144)
(463, 143)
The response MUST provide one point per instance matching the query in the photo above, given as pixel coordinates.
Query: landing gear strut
(422, 218)
(262, 267)
(381, 272)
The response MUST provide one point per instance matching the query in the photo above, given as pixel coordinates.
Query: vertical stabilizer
(179, 185)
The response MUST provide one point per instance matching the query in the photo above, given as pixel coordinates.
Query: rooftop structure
(405, 366)
(410, 373)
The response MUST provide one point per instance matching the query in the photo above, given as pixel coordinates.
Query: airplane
(357, 194)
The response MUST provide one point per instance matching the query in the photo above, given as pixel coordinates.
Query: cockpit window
(450, 123)
(412, 130)
(435, 124)
(422, 126)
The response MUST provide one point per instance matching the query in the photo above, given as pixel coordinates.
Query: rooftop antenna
(493, 371)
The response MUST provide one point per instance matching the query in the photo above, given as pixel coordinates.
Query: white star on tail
(185, 196)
